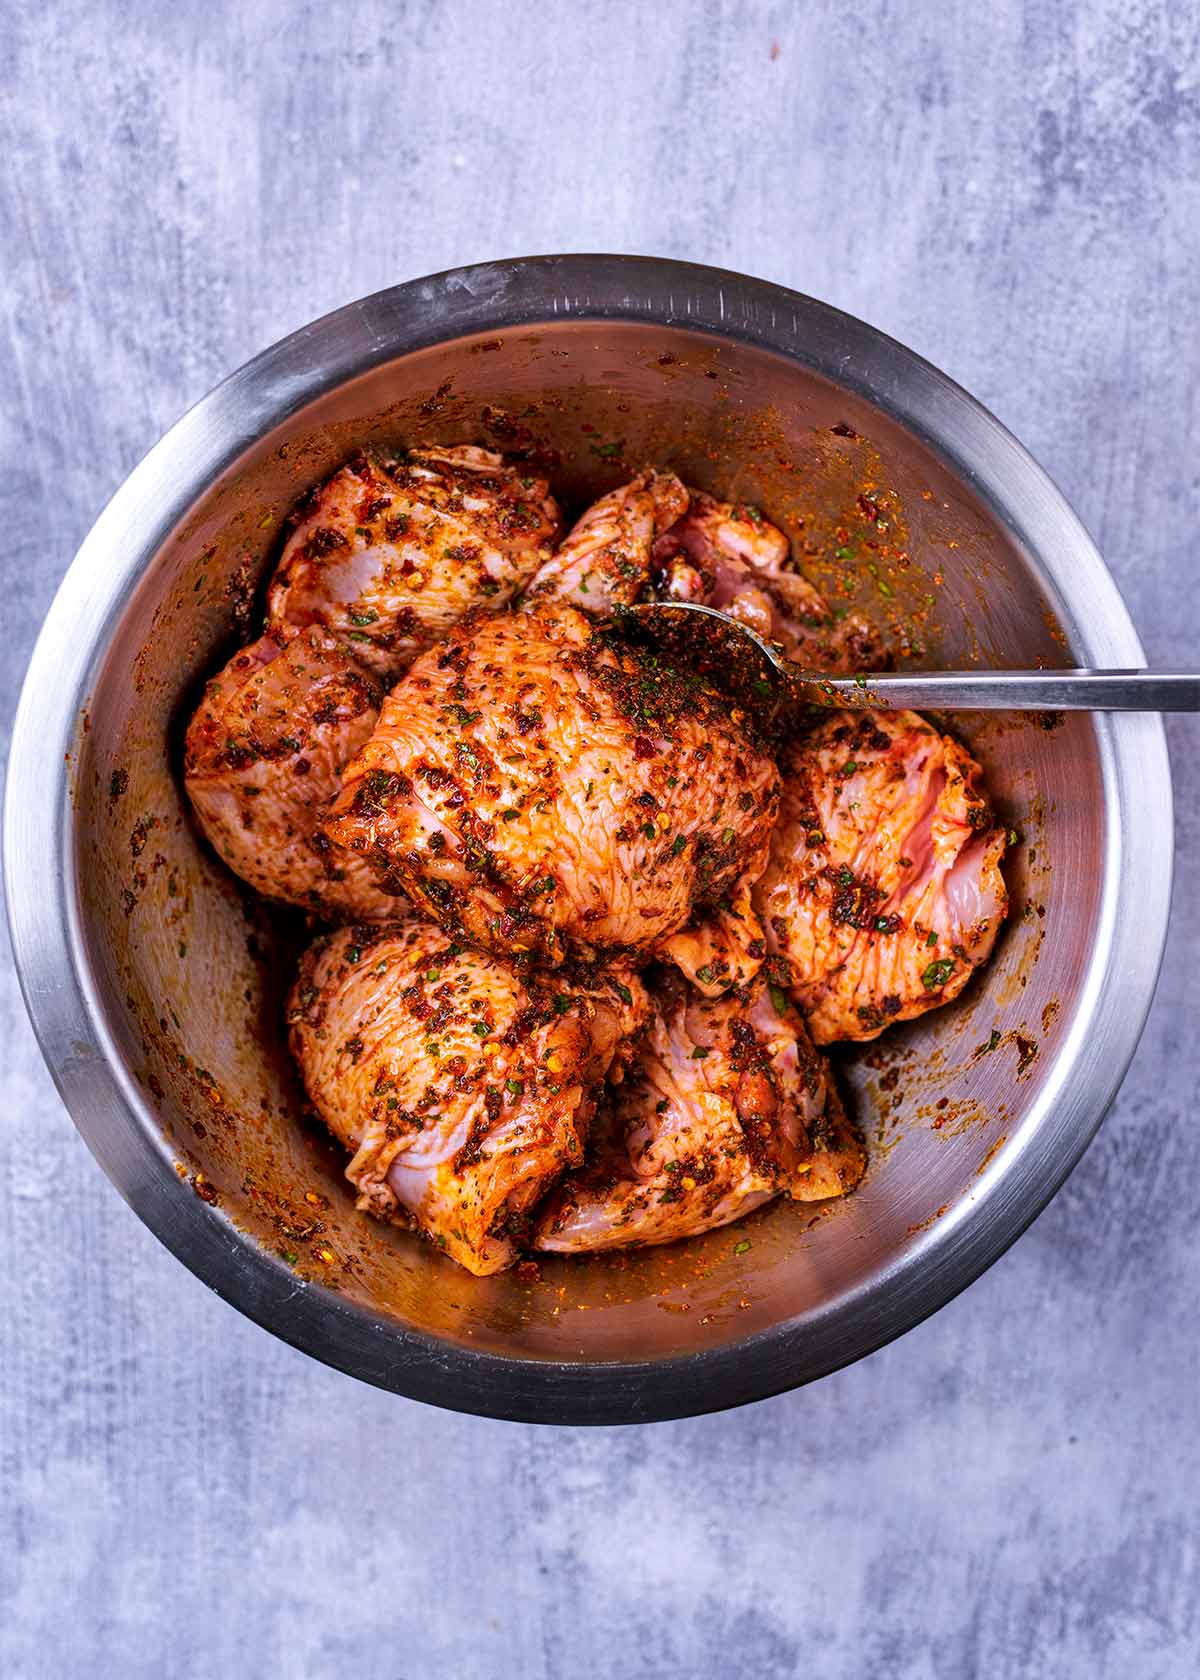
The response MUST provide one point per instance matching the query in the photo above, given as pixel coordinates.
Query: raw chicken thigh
(730, 557)
(884, 891)
(461, 1089)
(536, 786)
(658, 538)
(605, 560)
(262, 759)
(726, 1105)
(389, 556)
(721, 946)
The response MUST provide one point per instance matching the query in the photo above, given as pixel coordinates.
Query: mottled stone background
(1012, 1490)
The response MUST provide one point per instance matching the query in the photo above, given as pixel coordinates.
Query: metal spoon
(767, 680)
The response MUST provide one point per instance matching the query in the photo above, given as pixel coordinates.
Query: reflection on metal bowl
(155, 983)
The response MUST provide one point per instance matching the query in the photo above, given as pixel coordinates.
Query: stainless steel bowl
(154, 985)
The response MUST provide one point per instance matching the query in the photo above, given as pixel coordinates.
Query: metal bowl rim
(110, 1110)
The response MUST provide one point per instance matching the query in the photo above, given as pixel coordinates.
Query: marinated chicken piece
(535, 784)
(261, 762)
(461, 1090)
(720, 947)
(605, 560)
(726, 1105)
(391, 555)
(730, 557)
(884, 891)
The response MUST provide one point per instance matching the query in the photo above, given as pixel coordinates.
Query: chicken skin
(730, 557)
(605, 560)
(884, 891)
(262, 759)
(389, 556)
(538, 786)
(461, 1090)
(726, 1105)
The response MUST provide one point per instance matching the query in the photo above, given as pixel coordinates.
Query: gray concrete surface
(1012, 1489)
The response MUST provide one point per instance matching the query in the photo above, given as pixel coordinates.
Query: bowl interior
(188, 973)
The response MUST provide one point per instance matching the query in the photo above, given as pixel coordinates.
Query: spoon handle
(1026, 691)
